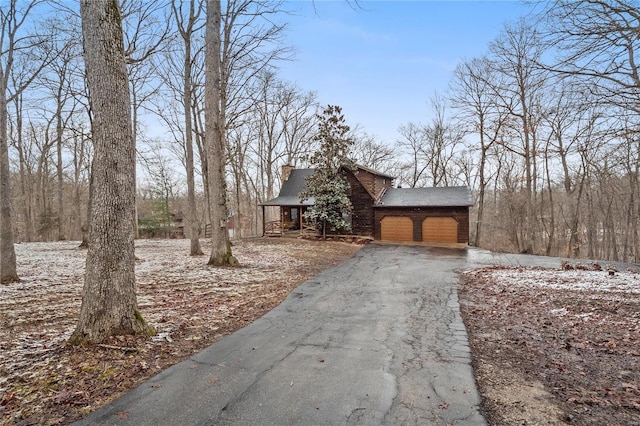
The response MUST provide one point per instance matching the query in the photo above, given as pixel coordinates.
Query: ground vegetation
(45, 380)
(555, 347)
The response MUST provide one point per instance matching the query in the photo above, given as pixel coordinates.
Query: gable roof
(373, 172)
(294, 185)
(451, 196)
(291, 188)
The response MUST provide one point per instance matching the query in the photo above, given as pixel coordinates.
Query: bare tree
(597, 43)
(109, 305)
(442, 142)
(59, 79)
(26, 164)
(570, 119)
(252, 39)
(277, 130)
(283, 119)
(41, 139)
(299, 117)
(81, 155)
(240, 44)
(162, 186)
(245, 194)
(598, 40)
(189, 24)
(215, 140)
(431, 148)
(479, 109)
(515, 56)
(13, 43)
(144, 34)
(413, 143)
(370, 152)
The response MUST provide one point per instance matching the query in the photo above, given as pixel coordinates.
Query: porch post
(263, 222)
(282, 220)
(300, 218)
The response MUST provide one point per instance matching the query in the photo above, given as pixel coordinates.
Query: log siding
(362, 202)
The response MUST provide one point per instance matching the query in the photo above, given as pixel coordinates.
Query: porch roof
(291, 188)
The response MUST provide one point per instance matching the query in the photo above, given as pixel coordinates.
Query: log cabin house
(429, 215)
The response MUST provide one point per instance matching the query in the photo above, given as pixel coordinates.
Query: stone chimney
(286, 171)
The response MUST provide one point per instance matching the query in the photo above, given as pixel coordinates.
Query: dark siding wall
(362, 216)
(367, 179)
(381, 183)
(372, 182)
(461, 214)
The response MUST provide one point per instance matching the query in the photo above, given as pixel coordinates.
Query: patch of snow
(574, 280)
(559, 312)
(41, 311)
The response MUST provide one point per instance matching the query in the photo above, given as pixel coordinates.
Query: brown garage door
(396, 228)
(440, 230)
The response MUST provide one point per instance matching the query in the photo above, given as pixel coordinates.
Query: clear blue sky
(383, 63)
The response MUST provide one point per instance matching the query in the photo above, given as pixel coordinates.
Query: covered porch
(290, 223)
(291, 208)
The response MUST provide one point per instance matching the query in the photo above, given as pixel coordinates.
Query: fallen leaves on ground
(555, 346)
(43, 380)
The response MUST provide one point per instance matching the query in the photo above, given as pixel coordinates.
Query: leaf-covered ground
(555, 346)
(45, 381)
(549, 346)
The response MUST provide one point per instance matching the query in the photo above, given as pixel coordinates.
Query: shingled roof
(291, 188)
(451, 196)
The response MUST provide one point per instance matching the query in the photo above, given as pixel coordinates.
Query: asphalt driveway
(376, 340)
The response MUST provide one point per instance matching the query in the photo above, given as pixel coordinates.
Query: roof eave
(419, 206)
(375, 172)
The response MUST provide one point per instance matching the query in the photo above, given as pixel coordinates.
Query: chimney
(286, 171)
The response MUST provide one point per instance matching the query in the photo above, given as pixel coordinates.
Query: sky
(383, 63)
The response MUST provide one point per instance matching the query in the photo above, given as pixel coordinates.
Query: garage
(440, 230)
(440, 215)
(396, 228)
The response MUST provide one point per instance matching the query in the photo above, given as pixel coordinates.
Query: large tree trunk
(214, 141)
(109, 304)
(8, 271)
(192, 212)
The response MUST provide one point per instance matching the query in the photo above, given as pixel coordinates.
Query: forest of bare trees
(544, 127)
